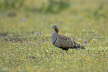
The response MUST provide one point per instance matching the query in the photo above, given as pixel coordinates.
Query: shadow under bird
(63, 42)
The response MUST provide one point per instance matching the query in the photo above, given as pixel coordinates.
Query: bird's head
(55, 27)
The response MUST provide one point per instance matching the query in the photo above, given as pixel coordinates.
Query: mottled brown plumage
(63, 42)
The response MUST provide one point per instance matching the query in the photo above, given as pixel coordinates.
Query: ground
(25, 39)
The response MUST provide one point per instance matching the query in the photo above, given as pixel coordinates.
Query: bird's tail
(78, 46)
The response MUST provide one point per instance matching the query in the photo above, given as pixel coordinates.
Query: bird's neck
(56, 30)
(55, 33)
(54, 37)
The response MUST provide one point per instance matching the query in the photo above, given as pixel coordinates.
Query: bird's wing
(63, 41)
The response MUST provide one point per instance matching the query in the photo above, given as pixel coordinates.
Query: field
(25, 38)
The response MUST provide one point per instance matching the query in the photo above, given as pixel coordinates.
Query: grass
(25, 39)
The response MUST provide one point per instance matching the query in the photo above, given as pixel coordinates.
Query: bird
(63, 42)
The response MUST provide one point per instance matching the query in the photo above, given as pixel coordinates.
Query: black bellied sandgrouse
(63, 42)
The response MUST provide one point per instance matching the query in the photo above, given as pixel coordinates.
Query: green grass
(25, 39)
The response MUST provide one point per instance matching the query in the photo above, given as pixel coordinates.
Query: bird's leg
(62, 51)
(66, 50)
